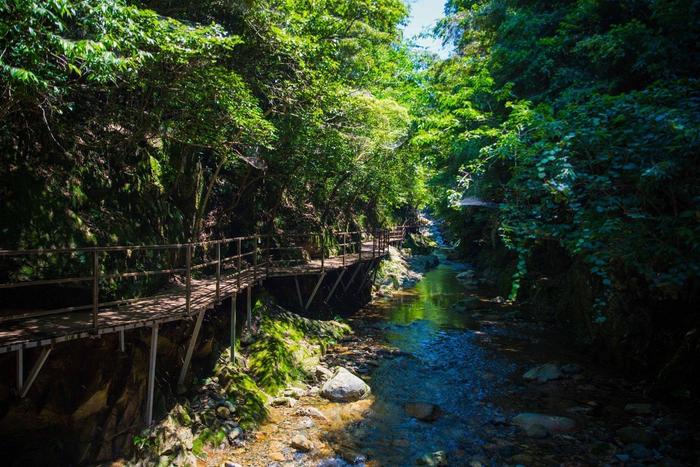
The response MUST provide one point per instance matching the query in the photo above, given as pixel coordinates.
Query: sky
(424, 15)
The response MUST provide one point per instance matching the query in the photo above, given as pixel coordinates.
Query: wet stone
(551, 423)
(344, 387)
(423, 411)
(437, 458)
(543, 373)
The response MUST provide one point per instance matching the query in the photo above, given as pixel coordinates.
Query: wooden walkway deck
(212, 272)
(42, 328)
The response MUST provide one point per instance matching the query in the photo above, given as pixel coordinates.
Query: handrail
(197, 258)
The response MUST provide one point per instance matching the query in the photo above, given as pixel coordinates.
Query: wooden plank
(34, 329)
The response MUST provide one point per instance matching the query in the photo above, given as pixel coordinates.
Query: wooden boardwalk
(40, 327)
(213, 271)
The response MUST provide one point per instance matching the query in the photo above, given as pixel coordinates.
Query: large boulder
(344, 387)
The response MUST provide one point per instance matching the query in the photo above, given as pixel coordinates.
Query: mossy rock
(420, 244)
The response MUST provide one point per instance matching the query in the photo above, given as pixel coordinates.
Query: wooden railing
(247, 259)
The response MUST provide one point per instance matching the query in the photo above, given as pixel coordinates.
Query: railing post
(374, 242)
(255, 258)
(323, 250)
(238, 276)
(345, 237)
(359, 246)
(188, 280)
(218, 271)
(95, 287)
(268, 261)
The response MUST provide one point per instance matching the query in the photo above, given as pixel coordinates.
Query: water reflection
(443, 365)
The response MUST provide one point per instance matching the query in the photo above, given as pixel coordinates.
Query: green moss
(207, 437)
(243, 391)
(420, 244)
(286, 346)
(286, 349)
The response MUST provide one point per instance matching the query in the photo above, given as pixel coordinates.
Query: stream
(459, 354)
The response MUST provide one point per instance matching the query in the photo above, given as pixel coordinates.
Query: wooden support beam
(20, 370)
(95, 288)
(313, 294)
(330, 294)
(249, 311)
(190, 348)
(122, 345)
(188, 279)
(218, 273)
(233, 327)
(301, 300)
(352, 278)
(35, 371)
(369, 273)
(151, 374)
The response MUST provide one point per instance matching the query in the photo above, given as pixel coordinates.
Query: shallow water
(442, 365)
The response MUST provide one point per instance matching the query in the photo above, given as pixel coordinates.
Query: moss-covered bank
(279, 350)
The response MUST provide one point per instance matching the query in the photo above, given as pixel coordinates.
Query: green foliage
(583, 120)
(124, 124)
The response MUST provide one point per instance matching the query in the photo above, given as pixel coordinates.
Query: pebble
(277, 456)
(543, 373)
(423, 411)
(312, 412)
(223, 411)
(284, 402)
(301, 443)
(551, 423)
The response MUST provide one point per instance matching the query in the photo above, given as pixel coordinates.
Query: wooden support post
(35, 371)
(359, 247)
(344, 240)
(268, 256)
(20, 370)
(352, 278)
(330, 294)
(188, 279)
(238, 276)
(234, 297)
(249, 310)
(323, 251)
(369, 273)
(255, 259)
(374, 241)
(122, 345)
(313, 294)
(95, 288)
(301, 300)
(374, 275)
(218, 272)
(151, 374)
(190, 348)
